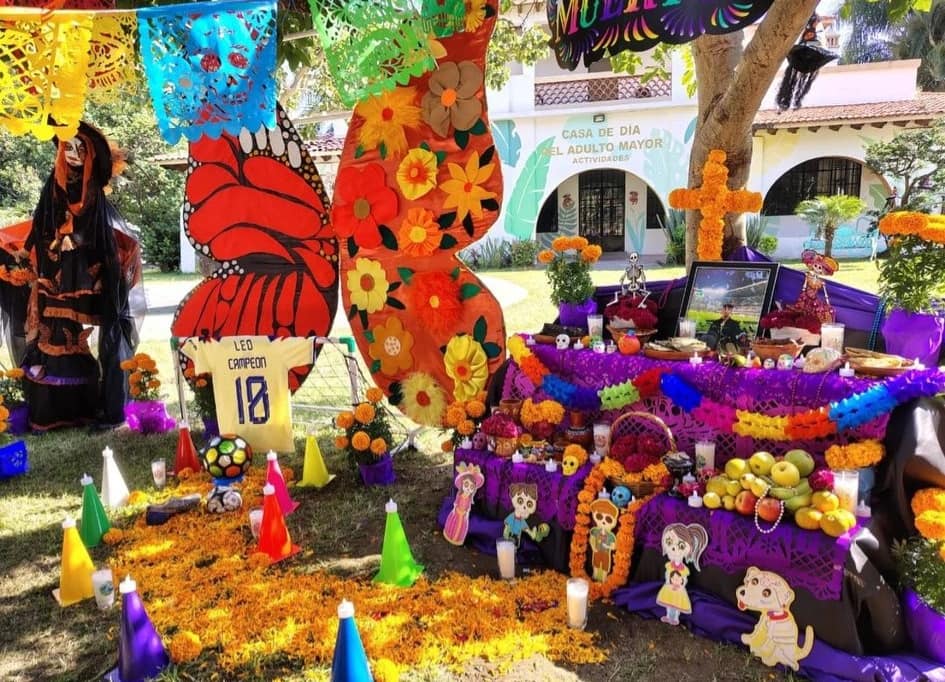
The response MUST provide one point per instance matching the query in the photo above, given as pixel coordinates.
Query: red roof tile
(926, 105)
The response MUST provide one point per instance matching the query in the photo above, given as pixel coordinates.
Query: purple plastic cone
(141, 653)
(349, 664)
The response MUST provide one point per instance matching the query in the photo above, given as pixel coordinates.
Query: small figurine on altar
(468, 480)
(524, 503)
(633, 279)
(602, 538)
(681, 544)
(809, 311)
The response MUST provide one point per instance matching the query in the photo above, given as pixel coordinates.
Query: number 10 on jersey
(252, 400)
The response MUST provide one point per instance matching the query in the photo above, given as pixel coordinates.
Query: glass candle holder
(577, 591)
(705, 454)
(602, 438)
(505, 552)
(687, 328)
(159, 473)
(831, 336)
(846, 484)
(595, 327)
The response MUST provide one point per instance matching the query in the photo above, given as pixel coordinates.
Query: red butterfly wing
(256, 204)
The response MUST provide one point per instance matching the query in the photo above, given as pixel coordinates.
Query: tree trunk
(732, 83)
(829, 231)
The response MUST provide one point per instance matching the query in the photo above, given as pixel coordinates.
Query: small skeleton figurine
(633, 279)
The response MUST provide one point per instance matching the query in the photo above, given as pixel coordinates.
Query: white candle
(846, 371)
(846, 485)
(529, 340)
(603, 495)
(705, 454)
(611, 347)
(255, 521)
(577, 591)
(159, 472)
(695, 500)
(695, 359)
(517, 457)
(505, 550)
(595, 458)
(831, 336)
(578, 345)
(551, 466)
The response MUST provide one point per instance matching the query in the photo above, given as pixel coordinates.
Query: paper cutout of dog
(774, 639)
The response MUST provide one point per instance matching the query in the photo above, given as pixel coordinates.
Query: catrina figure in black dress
(87, 268)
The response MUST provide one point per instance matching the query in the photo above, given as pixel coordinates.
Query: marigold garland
(855, 455)
(902, 223)
(623, 552)
(931, 524)
(928, 499)
(204, 583)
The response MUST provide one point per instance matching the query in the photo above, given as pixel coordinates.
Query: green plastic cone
(94, 519)
(314, 472)
(398, 566)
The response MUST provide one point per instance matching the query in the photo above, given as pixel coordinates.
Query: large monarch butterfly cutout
(256, 204)
(419, 179)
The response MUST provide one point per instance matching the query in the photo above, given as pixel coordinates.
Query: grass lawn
(340, 528)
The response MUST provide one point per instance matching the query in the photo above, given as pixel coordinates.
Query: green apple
(729, 502)
(761, 463)
(717, 485)
(745, 480)
(712, 500)
(732, 488)
(735, 467)
(759, 487)
(802, 460)
(785, 474)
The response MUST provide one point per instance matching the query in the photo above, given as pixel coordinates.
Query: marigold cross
(713, 200)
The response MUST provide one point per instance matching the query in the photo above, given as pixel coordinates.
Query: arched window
(827, 175)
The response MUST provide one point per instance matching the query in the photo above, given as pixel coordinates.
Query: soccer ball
(222, 499)
(227, 456)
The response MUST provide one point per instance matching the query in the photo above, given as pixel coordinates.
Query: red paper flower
(435, 299)
(362, 203)
(648, 383)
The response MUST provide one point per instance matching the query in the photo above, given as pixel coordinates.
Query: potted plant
(910, 281)
(146, 412)
(204, 404)
(921, 569)
(463, 417)
(13, 456)
(569, 263)
(367, 439)
(13, 398)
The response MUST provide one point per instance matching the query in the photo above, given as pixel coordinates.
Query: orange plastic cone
(75, 576)
(186, 451)
(274, 537)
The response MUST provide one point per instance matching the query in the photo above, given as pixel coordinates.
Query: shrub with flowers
(569, 269)
(142, 378)
(910, 276)
(463, 417)
(202, 386)
(367, 434)
(11, 387)
(4, 423)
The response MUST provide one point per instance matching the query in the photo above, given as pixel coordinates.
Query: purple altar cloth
(557, 493)
(807, 559)
(715, 619)
(772, 392)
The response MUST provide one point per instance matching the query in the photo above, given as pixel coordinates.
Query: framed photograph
(729, 290)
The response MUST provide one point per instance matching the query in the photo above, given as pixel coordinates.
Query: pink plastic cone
(275, 479)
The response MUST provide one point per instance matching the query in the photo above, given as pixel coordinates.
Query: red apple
(769, 509)
(745, 502)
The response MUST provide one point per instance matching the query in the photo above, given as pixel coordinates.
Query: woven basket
(637, 423)
(616, 333)
(769, 349)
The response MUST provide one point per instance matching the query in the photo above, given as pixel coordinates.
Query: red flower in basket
(778, 319)
(627, 308)
(500, 425)
(623, 447)
(650, 445)
(637, 462)
(542, 430)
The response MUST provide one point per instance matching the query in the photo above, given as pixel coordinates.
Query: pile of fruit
(777, 488)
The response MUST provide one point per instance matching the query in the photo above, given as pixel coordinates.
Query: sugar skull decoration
(226, 457)
(602, 538)
(562, 342)
(621, 496)
(574, 456)
(524, 503)
(774, 639)
(480, 441)
(681, 544)
(223, 498)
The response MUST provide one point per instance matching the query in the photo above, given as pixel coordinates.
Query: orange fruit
(629, 344)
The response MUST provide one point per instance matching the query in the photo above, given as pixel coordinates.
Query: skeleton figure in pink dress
(468, 480)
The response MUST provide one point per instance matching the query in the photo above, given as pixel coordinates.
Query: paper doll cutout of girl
(468, 480)
(681, 544)
(524, 503)
(601, 538)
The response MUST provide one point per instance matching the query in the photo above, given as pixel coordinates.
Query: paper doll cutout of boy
(681, 543)
(524, 503)
(602, 538)
(468, 480)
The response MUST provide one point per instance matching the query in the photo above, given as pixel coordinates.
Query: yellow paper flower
(419, 233)
(424, 399)
(463, 190)
(475, 14)
(367, 284)
(416, 174)
(385, 118)
(467, 365)
(391, 346)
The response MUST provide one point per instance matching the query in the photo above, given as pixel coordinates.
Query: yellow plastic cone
(75, 576)
(314, 472)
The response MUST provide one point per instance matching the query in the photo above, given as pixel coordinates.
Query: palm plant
(869, 32)
(923, 37)
(826, 213)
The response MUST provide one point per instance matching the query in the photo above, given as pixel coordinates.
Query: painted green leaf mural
(666, 167)
(507, 142)
(521, 210)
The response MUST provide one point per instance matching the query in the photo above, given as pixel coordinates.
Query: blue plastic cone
(349, 663)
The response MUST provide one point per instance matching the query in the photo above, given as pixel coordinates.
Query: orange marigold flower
(134, 377)
(135, 391)
(130, 364)
(378, 446)
(545, 256)
(341, 442)
(364, 413)
(374, 394)
(137, 497)
(113, 536)
(928, 499)
(466, 427)
(475, 408)
(201, 383)
(258, 560)
(360, 441)
(345, 420)
(185, 646)
(154, 383)
(446, 446)
(185, 473)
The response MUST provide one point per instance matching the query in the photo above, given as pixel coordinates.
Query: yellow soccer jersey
(251, 384)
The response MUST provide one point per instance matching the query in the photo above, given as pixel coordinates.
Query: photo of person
(725, 330)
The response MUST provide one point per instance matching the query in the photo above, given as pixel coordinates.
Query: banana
(803, 488)
(796, 502)
(782, 493)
